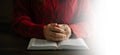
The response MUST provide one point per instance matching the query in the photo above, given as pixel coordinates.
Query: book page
(41, 44)
(78, 43)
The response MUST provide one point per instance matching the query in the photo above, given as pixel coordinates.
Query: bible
(40, 44)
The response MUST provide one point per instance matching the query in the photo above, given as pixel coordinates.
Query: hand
(53, 33)
(67, 30)
(57, 32)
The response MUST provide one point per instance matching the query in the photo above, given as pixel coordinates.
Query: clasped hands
(57, 32)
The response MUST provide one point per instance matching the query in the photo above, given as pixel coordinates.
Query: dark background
(5, 16)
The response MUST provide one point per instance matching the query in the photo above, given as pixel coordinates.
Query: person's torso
(53, 11)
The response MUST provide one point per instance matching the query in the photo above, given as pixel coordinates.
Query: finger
(57, 35)
(50, 38)
(53, 28)
(56, 29)
(53, 24)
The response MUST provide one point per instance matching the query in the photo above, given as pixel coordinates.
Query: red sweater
(30, 16)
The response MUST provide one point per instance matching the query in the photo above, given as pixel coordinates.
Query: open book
(40, 44)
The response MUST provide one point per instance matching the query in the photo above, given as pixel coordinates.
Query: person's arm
(78, 28)
(22, 22)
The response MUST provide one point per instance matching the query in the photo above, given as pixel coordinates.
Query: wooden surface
(11, 44)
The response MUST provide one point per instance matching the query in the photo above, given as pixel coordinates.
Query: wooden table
(11, 44)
